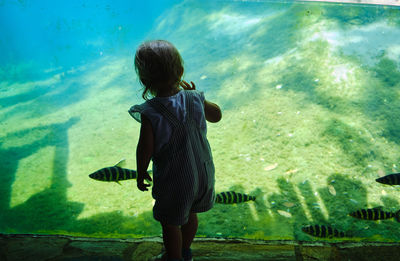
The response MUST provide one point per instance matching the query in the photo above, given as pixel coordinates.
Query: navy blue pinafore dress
(183, 170)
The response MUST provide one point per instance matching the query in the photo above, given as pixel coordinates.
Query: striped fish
(323, 231)
(391, 179)
(114, 173)
(375, 214)
(230, 197)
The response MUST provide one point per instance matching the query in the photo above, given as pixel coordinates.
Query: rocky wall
(64, 248)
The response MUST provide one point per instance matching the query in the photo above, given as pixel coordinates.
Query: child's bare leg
(189, 231)
(172, 237)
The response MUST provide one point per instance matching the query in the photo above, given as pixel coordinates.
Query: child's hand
(185, 85)
(140, 181)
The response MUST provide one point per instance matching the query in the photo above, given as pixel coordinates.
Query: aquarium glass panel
(310, 96)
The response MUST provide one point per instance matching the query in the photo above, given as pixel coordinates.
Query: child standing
(173, 135)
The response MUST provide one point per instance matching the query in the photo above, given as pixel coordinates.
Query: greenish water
(310, 98)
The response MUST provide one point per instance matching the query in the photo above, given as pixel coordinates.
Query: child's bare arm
(144, 152)
(212, 111)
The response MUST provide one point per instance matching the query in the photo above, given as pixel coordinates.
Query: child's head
(159, 66)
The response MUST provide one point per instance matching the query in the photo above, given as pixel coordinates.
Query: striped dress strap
(189, 104)
(165, 112)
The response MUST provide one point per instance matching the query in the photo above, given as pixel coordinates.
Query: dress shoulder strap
(160, 108)
(189, 104)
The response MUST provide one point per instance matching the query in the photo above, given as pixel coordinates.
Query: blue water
(54, 34)
(310, 100)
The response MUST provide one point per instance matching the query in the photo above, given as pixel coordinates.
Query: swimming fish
(323, 231)
(391, 179)
(231, 197)
(114, 173)
(375, 214)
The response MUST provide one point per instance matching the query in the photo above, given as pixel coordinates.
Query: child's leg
(172, 237)
(189, 231)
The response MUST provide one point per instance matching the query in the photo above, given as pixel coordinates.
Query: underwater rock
(332, 190)
(288, 204)
(271, 167)
(381, 173)
(291, 171)
(284, 213)
(353, 201)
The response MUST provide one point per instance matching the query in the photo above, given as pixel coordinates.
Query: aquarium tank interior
(310, 96)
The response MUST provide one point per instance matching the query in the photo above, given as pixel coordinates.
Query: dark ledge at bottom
(67, 248)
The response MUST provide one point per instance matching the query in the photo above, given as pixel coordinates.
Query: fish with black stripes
(391, 179)
(231, 197)
(114, 173)
(323, 231)
(375, 214)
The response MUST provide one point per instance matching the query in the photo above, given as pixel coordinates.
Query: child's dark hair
(158, 65)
